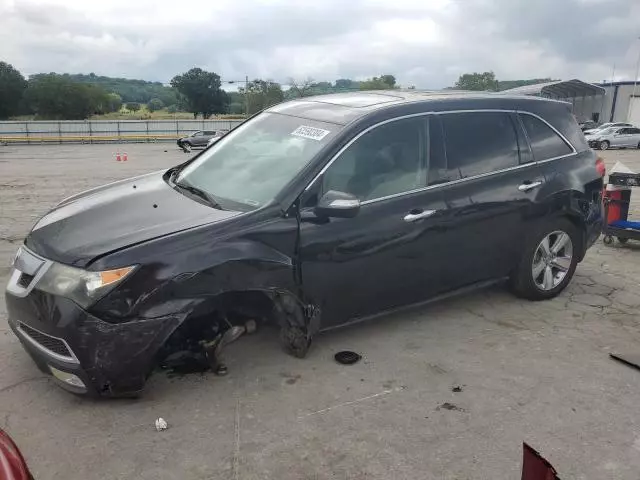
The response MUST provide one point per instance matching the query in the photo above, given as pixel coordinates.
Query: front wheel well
(212, 317)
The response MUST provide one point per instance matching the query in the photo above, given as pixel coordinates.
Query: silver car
(615, 137)
(604, 126)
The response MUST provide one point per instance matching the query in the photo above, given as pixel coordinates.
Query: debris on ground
(450, 406)
(535, 467)
(633, 359)
(457, 388)
(347, 357)
(161, 424)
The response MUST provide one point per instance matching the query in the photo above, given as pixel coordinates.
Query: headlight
(81, 286)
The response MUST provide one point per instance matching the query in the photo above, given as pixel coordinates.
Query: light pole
(246, 91)
(635, 84)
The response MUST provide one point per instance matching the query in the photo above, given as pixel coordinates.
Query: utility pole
(635, 84)
(246, 95)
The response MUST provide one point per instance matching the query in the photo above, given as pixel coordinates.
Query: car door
(493, 183)
(198, 139)
(634, 137)
(619, 138)
(394, 251)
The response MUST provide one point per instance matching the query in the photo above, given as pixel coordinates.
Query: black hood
(115, 216)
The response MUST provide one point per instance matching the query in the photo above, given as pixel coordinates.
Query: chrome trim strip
(453, 182)
(573, 149)
(45, 350)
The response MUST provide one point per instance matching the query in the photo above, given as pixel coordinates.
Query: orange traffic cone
(124, 157)
(118, 159)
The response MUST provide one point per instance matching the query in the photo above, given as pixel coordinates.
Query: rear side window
(479, 142)
(545, 142)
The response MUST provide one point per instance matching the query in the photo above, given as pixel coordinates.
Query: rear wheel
(604, 145)
(549, 261)
(623, 240)
(638, 147)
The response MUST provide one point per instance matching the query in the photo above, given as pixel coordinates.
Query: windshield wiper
(207, 197)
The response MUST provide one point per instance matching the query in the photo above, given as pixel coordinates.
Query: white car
(604, 126)
(614, 137)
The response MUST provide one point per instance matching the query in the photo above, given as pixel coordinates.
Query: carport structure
(587, 99)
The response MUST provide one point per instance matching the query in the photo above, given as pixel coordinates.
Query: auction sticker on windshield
(310, 132)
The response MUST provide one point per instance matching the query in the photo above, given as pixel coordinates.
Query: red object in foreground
(12, 464)
(534, 467)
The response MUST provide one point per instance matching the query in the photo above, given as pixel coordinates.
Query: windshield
(251, 164)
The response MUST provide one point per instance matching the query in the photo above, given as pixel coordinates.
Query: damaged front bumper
(84, 354)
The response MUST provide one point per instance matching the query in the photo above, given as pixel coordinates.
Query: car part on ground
(631, 359)
(312, 214)
(347, 357)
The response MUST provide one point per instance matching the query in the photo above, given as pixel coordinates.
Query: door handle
(414, 217)
(525, 187)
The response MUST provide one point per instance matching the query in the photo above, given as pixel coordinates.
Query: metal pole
(635, 84)
(246, 94)
(26, 129)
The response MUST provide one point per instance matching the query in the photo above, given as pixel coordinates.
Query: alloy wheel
(552, 260)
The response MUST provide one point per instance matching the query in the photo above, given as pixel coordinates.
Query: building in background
(604, 102)
(621, 104)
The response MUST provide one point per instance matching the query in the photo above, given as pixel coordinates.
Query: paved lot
(534, 372)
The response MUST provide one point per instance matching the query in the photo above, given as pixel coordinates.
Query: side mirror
(337, 205)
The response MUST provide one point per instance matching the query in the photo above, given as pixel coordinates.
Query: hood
(115, 216)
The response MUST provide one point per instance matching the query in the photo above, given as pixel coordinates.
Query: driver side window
(385, 161)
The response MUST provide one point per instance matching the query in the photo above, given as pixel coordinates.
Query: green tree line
(79, 96)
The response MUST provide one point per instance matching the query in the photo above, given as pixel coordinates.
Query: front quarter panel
(178, 273)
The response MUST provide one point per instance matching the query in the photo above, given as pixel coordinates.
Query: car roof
(344, 108)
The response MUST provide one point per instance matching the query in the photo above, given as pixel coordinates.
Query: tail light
(600, 167)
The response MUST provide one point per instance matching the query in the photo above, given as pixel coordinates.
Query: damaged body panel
(309, 215)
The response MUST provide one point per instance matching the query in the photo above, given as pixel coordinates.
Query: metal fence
(102, 131)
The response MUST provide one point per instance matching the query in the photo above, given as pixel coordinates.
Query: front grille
(47, 342)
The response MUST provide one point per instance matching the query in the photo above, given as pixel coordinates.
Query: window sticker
(310, 132)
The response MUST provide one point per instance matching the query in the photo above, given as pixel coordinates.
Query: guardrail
(106, 131)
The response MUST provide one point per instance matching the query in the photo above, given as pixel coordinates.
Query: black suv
(311, 214)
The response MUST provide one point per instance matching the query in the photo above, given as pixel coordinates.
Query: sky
(425, 43)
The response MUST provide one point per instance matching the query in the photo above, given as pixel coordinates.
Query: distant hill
(130, 90)
(508, 84)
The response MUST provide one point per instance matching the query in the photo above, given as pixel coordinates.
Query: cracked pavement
(535, 372)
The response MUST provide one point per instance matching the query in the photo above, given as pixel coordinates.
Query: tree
(59, 97)
(201, 92)
(132, 106)
(301, 88)
(477, 81)
(172, 108)
(12, 88)
(155, 104)
(114, 102)
(261, 94)
(384, 82)
(346, 84)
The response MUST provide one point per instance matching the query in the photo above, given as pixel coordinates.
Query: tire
(623, 240)
(607, 240)
(555, 268)
(604, 145)
(638, 146)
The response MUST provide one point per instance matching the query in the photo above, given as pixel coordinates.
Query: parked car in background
(607, 125)
(590, 125)
(615, 137)
(196, 139)
(314, 213)
(218, 136)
